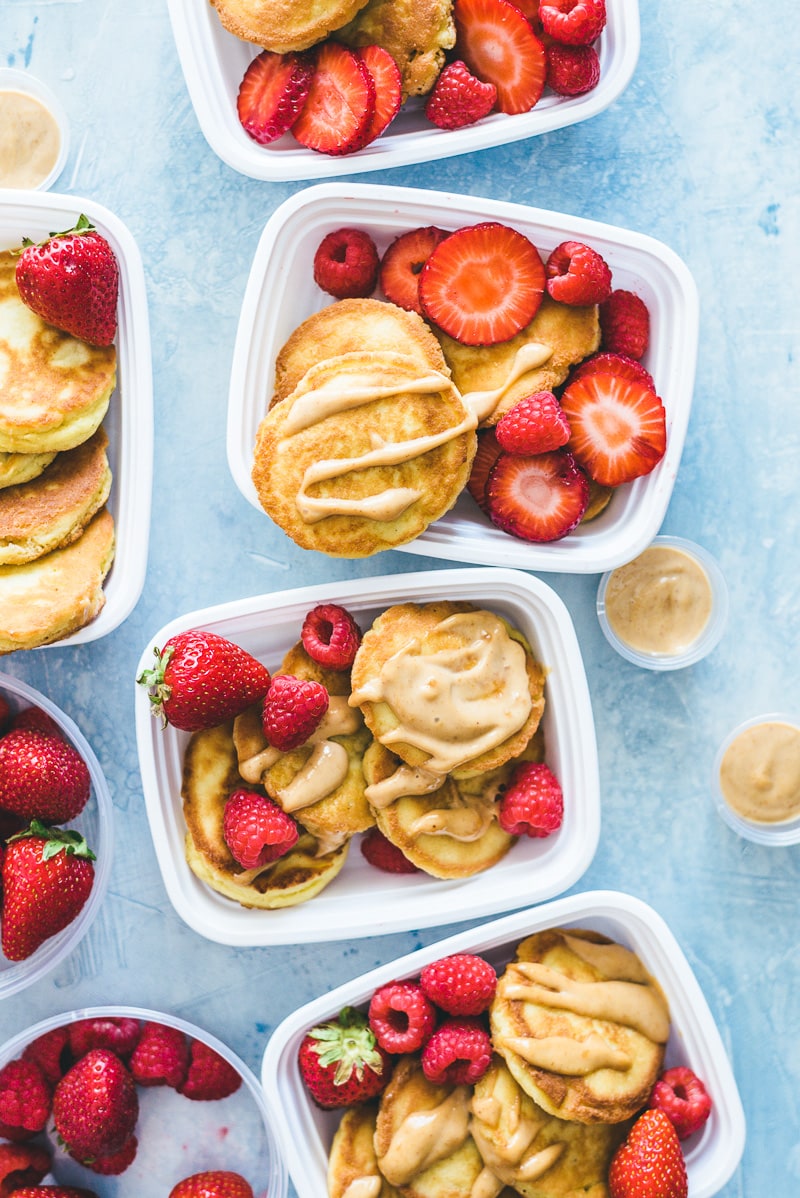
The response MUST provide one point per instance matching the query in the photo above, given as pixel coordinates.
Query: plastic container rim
(787, 832)
(15, 79)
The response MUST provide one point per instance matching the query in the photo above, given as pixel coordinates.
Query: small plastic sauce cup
(757, 779)
(34, 133)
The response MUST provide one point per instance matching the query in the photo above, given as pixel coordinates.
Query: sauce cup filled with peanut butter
(34, 134)
(667, 608)
(757, 779)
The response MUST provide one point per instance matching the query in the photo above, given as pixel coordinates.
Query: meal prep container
(214, 62)
(129, 420)
(304, 1131)
(14, 80)
(781, 833)
(96, 824)
(363, 901)
(177, 1136)
(281, 293)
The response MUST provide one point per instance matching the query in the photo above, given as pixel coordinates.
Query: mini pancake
(53, 596)
(54, 389)
(352, 1160)
(210, 776)
(581, 1025)
(343, 810)
(537, 1154)
(16, 468)
(367, 451)
(448, 687)
(53, 510)
(284, 25)
(569, 333)
(415, 32)
(599, 499)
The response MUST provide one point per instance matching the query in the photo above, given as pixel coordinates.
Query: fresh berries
(649, 1164)
(461, 984)
(458, 1053)
(21, 1165)
(536, 424)
(482, 284)
(487, 453)
(330, 636)
(40, 1191)
(111, 1164)
(42, 776)
(293, 709)
(95, 1105)
(346, 264)
(498, 44)
(388, 89)
(201, 679)
(161, 1057)
(683, 1098)
(459, 98)
(401, 1016)
(384, 855)
(214, 1183)
(573, 22)
(577, 274)
(533, 804)
(338, 110)
(402, 263)
(572, 70)
(609, 363)
(209, 1076)
(37, 720)
(50, 1052)
(341, 1062)
(619, 429)
(625, 324)
(256, 830)
(120, 1035)
(25, 1096)
(272, 93)
(71, 280)
(539, 498)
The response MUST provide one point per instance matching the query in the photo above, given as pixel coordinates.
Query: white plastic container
(95, 822)
(362, 901)
(281, 293)
(177, 1136)
(214, 62)
(14, 80)
(304, 1131)
(129, 420)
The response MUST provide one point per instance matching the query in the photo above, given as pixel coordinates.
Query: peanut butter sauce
(30, 140)
(759, 775)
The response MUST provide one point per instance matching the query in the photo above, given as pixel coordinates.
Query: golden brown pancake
(415, 32)
(53, 596)
(18, 468)
(571, 333)
(599, 499)
(53, 510)
(352, 1160)
(284, 25)
(54, 389)
(581, 1025)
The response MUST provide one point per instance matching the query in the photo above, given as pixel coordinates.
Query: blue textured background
(701, 152)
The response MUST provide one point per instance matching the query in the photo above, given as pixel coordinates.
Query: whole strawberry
(95, 1105)
(341, 1062)
(48, 874)
(42, 777)
(215, 1183)
(71, 280)
(650, 1163)
(201, 679)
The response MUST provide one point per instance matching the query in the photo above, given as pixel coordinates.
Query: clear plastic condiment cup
(781, 832)
(14, 80)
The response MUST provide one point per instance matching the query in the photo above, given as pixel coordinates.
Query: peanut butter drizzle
(406, 780)
(521, 1131)
(425, 1137)
(467, 821)
(364, 1187)
(562, 1054)
(528, 357)
(486, 1184)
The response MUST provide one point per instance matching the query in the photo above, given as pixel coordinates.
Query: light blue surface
(700, 152)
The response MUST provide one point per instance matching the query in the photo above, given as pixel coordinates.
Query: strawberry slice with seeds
(607, 363)
(337, 114)
(402, 263)
(483, 284)
(388, 89)
(272, 93)
(498, 44)
(540, 498)
(618, 427)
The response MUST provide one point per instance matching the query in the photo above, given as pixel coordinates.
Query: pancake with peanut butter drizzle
(210, 776)
(322, 782)
(352, 1164)
(581, 1025)
(447, 687)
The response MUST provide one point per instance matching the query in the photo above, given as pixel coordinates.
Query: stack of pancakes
(56, 533)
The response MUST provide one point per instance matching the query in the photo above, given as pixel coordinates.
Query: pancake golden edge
(352, 1161)
(416, 33)
(284, 25)
(16, 468)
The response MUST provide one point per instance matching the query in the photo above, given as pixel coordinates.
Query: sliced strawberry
(618, 427)
(272, 93)
(539, 498)
(402, 262)
(483, 284)
(487, 454)
(621, 364)
(498, 44)
(341, 101)
(388, 89)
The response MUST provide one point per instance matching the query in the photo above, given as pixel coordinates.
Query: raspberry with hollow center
(458, 1053)
(683, 1098)
(293, 710)
(533, 805)
(577, 275)
(256, 830)
(384, 855)
(401, 1016)
(461, 984)
(625, 324)
(346, 264)
(331, 636)
(573, 22)
(536, 424)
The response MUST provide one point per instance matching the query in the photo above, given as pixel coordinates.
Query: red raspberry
(25, 1096)
(331, 636)
(536, 424)
(577, 274)
(293, 709)
(384, 855)
(401, 1016)
(617, 364)
(573, 22)
(119, 1035)
(346, 264)
(210, 1076)
(22, 1165)
(458, 1053)
(256, 830)
(625, 324)
(533, 805)
(459, 98)
(111, 1164)
(572, 70)
(161, 1058)
(47, 1051)
(683, 1098)
(462, 984)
